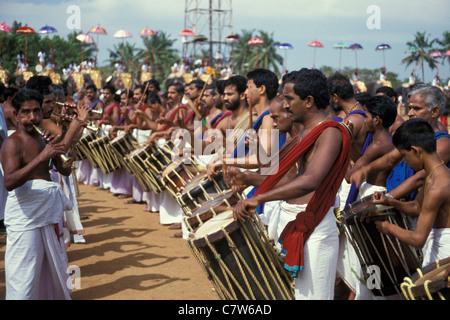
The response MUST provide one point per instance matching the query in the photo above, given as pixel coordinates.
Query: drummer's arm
(416, 238)
(410, 208)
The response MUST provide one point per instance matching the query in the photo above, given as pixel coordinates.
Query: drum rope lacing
(408, 285)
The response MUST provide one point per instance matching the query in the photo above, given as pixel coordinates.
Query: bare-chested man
(321, 159)
(35, 261)
(416, 142)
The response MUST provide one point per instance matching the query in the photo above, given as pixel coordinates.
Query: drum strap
(298, 231)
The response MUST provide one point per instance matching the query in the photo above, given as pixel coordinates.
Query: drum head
(218, 203)
(212, 229)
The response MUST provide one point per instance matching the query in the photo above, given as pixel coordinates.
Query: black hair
(415, 132)
(40, 83)
(220, 86)
(211, 87)
(309, 82)
(153, 98)
(24, 95)
(383, 107)
(178, 86)
(199, 83)
(154, 82)
(91, 86)
(340, 84)
(388, 91)
(9, 92)
(110, 87)
(240, 82)
(362, 97)
(267, 78)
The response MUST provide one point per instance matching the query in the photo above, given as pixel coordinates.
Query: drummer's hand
(359, 176)
(380, 198)
(236, 178)
(212, 169)
(382, 226)
(244, 208)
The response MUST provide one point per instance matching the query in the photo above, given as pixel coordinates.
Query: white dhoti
(35, 258)
(317, 280)
(437, 246)
(169, 211)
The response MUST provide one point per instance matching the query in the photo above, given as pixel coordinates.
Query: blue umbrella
(355, 47)
(383, 47)
(286, 47)
(47, 30)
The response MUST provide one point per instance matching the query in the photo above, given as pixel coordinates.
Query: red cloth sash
(223, 116)
(296, 232)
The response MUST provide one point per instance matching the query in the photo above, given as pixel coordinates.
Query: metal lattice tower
(212, 19)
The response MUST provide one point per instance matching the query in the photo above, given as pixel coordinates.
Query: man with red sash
(307, 181)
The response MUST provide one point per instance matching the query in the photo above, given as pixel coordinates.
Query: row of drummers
(185, 180)
(207, 207)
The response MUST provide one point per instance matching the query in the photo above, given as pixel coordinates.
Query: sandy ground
(128, 255)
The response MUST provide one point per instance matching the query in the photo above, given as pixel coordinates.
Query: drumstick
(194, 108)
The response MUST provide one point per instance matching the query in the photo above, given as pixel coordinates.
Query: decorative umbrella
(186, 33)
(122, 34)
(340, 46)
(436, 54)
(315, 44)
(48, 30)
(4, 28)
(447, 53)
(355, 47)
(85, 39)
(147, 32)
(232, 38)
(383, 47)
(26, 30)
(285, 47)
(255, 42)
(411, 49)
(98, 30)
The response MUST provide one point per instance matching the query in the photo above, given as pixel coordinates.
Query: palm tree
(128, 55)
(445, 43)
(161, 54)
(424, 45)
(267, 53)
(242, 53)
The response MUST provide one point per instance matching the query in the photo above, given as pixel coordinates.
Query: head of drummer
(306, 93)
(415, 139)
(262, 86)
(193, 90)
(281, 119)
(138, 94)
(381, 112)
(234, 92)
(27, 103)
(175, 92)
(427, 102)
(43, 84)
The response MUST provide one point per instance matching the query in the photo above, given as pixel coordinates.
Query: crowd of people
(317, 146)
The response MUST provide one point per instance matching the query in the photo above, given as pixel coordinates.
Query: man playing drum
(416, 142)
(320, 159)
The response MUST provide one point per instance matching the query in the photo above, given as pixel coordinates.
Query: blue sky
(294, 21)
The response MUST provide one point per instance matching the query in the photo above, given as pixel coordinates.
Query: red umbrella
(255, 41)
(315, 44)
(98, 30)
(25, 30)
(187, 33)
